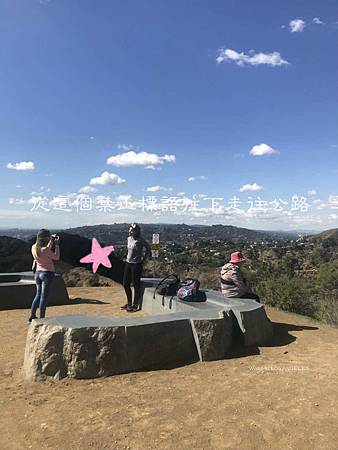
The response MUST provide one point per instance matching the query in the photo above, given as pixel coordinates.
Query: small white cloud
(16, 201)
(262, 149)
(250, 187)
(312, 192)
(92, 138)
(153, 168)
(200, 177)
(19, 186)
(297, 25)
(330, 203)
(132, 158)
(253, 59)
(37, 193)
(158, 188)
(24, 165)
(87, 189)
(317, 21)
(123, 197)
(333, 201)
(153, 188)
(107, 178)
(179, 194)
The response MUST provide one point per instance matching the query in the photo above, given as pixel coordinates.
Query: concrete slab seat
(17, 290)
(175, 333)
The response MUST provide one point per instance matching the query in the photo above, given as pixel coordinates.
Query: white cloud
(153, 188)
(251, 59)
(201, 196)
(158, 188)
(200, 177)
(24, 165)
(87, 189)
(17, 201)
(179, 194)
(297, 25)
(107, 178)
(330, 203)
(132, 158)
(123, 197)
(333, 201)
(317, 21)
(262, 149)
(312, 192)
(250, 187)
(19, 186)
(153, 168)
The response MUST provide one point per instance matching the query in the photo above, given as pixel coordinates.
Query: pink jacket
(232, 281)
(45, 260)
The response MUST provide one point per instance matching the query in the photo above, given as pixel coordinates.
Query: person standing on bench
(134, 265)
(43, 255)
(233, 283)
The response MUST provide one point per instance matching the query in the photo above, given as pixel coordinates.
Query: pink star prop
(99, 255)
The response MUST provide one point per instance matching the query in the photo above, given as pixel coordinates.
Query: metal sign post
(155, 249)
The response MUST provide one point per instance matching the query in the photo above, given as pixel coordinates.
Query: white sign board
(156, 238)
(155, 245)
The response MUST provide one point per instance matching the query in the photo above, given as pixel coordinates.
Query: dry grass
(279, 396)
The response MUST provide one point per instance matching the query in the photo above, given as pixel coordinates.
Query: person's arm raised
(56, 254)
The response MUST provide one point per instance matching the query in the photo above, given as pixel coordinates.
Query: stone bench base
(175, 332)
(90, 347)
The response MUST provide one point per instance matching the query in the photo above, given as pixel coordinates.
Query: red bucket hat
(237, 257)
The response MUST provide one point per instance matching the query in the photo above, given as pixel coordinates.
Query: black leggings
(132, 274)
(252, 295)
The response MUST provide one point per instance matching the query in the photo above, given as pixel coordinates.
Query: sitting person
(233, 283)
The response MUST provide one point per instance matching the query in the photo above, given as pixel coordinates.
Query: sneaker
(136, 307)
(124, 306)
(130, 308)
(31, 318)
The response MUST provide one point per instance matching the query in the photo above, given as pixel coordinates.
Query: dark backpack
(188, 289)
(168, 285)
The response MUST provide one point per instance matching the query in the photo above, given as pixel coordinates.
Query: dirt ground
(282, 395)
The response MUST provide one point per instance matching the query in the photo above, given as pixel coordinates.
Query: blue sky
(240, 97)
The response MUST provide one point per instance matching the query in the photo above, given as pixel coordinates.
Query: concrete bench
(175, 332)
(17, 290)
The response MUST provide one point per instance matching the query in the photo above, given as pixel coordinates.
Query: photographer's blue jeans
(43, 280)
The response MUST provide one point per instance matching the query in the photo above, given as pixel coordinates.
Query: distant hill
(15, 256)
(81, 277)
(180, 233)
(331, 235)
